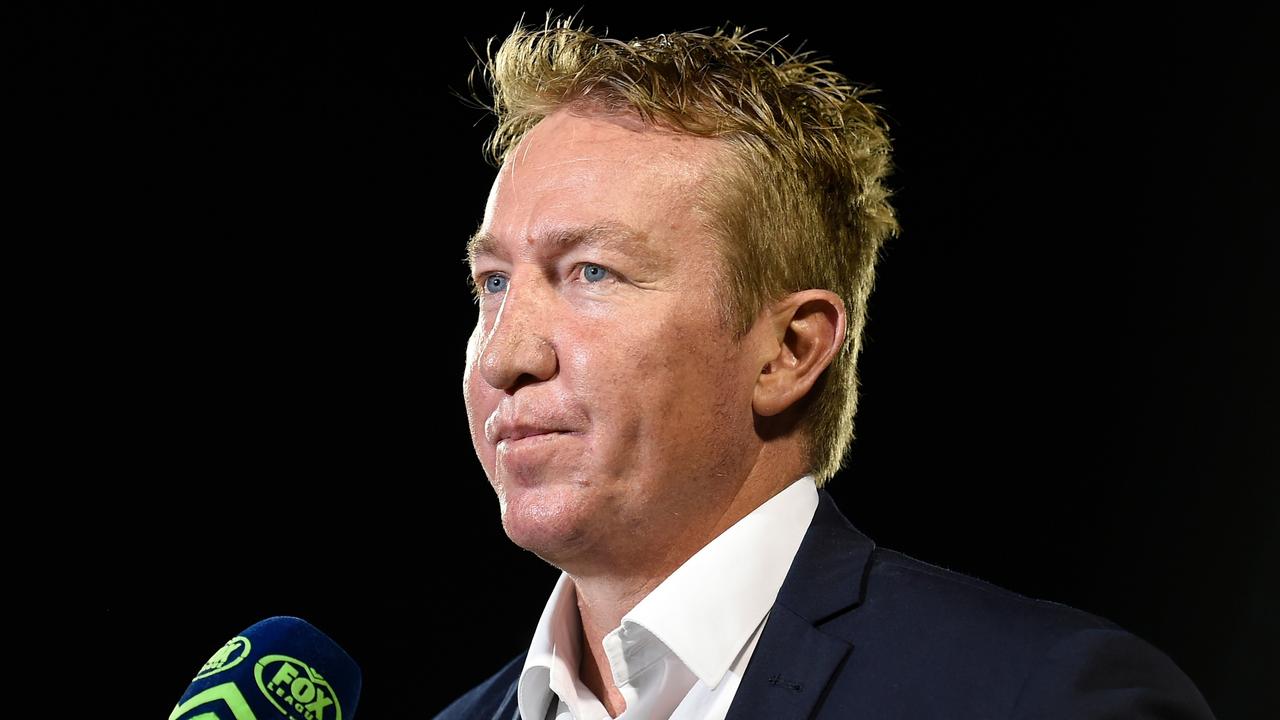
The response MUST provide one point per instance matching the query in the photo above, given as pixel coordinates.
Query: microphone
(279, 669)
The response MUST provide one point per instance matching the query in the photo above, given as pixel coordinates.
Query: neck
(605, 593)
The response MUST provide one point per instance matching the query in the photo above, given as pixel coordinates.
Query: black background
(257, 223)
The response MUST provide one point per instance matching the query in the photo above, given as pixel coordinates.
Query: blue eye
(594, 273)
(494, 283)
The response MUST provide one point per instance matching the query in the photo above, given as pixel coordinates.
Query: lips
(513, 428)
(522, 433)
(527, 440)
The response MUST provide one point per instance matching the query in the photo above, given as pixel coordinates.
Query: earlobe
(808, 330)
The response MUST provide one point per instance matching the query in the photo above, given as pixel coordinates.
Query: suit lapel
(795, 660)
(789, 669)
(509, 709)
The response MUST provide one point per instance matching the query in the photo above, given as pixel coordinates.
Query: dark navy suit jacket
(858, 631)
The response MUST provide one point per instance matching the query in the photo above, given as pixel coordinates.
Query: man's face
(607, 403)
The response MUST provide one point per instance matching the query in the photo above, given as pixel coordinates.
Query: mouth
(531, 439)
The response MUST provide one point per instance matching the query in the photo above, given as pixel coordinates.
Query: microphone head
(280, 668)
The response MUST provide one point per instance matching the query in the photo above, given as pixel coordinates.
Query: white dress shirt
(680, 653)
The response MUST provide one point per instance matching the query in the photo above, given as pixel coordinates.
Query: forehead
(604, 234)
(599, 180)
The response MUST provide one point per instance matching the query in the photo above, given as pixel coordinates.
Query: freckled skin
(658, 395)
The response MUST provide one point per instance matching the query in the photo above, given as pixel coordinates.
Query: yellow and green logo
(220, 700)
(296, 689)
(227, 657)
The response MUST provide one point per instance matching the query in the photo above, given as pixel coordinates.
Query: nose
(517, 349)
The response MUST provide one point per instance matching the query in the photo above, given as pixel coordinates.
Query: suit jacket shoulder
(493, 698)
(861, 631)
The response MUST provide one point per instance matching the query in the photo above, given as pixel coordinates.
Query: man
(671, 276)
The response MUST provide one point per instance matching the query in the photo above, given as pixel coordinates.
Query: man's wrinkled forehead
(553, 241)
(601, 181)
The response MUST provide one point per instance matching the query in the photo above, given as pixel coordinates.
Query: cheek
(477, 405)
(706, 374)
(469, 397)
(472, 380)
(680, 376)
(473, 348)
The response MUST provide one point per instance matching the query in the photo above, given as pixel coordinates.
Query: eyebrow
(607, 234)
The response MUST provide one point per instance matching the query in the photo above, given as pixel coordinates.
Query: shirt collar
(707, 609)
(553, 654)
(704, 612)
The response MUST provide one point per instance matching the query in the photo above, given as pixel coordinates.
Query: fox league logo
(296, 689)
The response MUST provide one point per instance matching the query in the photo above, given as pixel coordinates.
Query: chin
(549, 521)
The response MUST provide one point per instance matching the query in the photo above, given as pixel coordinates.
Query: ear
(808, 329)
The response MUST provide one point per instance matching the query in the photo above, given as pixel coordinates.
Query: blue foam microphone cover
(279, 669)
